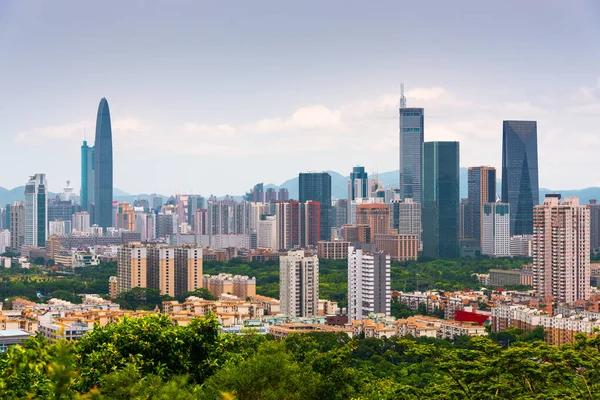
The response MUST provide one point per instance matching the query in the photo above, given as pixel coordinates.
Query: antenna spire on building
(402, 98)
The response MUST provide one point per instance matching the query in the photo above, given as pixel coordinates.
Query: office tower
(412, 127)
(103, 168)
(298, 224)
(521, 246)
(377, 216)
(405, 217)
(267, 232)
(6, 217)
(173, 270)
(482, 190)
(368, 282)
(441, 199)
(125, 217)
(463, 226)
(81, 222)
(299, 284)
(495, 230)
(4, 240)
(270, 196)
(594, 224)
(358, 184)
(340, 213)
(157, 201)
(561, 249)
(86, 195)
(59, 227)
(17, 225)
(166, 225)
(520, 173)
(317, 187)
(36, 211)
(61, 210)
(283, 195)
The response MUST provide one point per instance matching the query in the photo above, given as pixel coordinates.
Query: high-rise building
(199, 224)
(405, 217)
(6, 217)
(594, 224)
(441, 199)
(377, 216)
(145, 225)
(521, 246)
(495, 230)
(61, 210)
(59, 227)
(520, 173)
(257, 194)
(317, 187)
(173, 270)
(81, 222)
(267, 232)
(86, 197)
(561, 249)
(270, 196)
(358, 184)
(283, 195)
(299, 284)
(412, 128)
(36, 211)
(339, 213)
(157, 201)
(103, 168)
(125, 217)
(298, 224)
(399, 247)
(463, 227)
(17, 225)
(369, 282)
(166, 224)
(4, 240)
(482, 190)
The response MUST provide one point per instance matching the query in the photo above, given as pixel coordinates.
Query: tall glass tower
(412, 127)
(103, 168)
(317, 187)
(520, 173)
(36, 211)
(87, 177)
(441, 199)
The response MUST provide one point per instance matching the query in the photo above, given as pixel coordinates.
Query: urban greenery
(151, 358)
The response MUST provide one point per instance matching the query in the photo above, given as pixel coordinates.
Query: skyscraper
(369, 282)
(561, 249)
(317, 187)
(482, 190)
(441, 199)
(495, 230)
(520, 173)
(358, 184)
(377, 216)
(103, 168)
(299, 284)
(17, 225)
(412, 128)
(594, 224)
(87, 177)
(283, 195)
(36, 211)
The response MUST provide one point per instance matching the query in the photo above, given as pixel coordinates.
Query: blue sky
(212, 97)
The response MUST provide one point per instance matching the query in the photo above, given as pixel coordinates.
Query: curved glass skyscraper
(103, 168)
(520, 173)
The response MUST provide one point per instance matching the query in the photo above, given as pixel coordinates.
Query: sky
(211, 97)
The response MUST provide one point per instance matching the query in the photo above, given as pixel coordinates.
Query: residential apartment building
(368, 282)
(561, 249)
(376, 216)
(495, 230)
(299, 284)
(333, 249)
(36, 211)
(398, 247)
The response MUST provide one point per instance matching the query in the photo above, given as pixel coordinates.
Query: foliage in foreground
(150, 358)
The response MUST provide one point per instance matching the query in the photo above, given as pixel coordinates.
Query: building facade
(482, 190)
(36, 211)
(86, 195)
(520, 173)
(299, 284)
(17, 225)
(495, 230)
(103, 168)
(376, 216)
(412, 131)
(316, 186)
(561, 249)
(368, 282)
(441, 199)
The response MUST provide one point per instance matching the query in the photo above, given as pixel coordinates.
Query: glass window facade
(317, 187)
(441, 199)
(520, 173)
(103, 168)
(411, 143)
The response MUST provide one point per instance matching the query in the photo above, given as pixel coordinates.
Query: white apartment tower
(36, 211)
(81, 222)
(561, 249)
(369, 282)
(267, 232)
(495, 229)
(299, 284)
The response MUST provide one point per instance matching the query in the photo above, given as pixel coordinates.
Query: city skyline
(194, 111)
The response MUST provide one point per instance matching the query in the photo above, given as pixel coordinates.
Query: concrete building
(357, 233)
(17, 225)
(299, 284)
(173, 270)
(594, 224)
(59, 227)
(316, 187)
(521, 246)
(36, 211)
(495, 230)
(145, 225)
(81, 222)
(405, 217)
(368, 282)
(561, 249)
(4, 240)
(239, 286)
(125, 217)
(298, 224)
(267, 232)
(376, 216)
(501, 277)
(333, 249)
(482, 190)
(398, 247)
